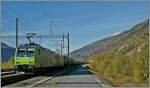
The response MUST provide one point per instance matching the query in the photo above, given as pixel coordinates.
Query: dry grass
(8, 64)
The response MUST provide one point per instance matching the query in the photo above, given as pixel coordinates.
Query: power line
(50, 21)
(12, 22)
(52, 14)
(9, 17)
(13, 17)
(37, 36)
(10, 27)
(47, 11)
(24, 22)
(50, 11)
(48, 14)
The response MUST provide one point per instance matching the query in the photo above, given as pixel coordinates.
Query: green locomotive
(35, 58)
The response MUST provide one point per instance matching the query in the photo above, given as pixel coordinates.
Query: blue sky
(86, 22)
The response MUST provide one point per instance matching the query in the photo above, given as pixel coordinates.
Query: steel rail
(15, 78)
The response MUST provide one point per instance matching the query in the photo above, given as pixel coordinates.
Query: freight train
(35, 58)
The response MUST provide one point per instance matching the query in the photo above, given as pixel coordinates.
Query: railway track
(40, 79)
(9, 79)
(7, 73)
(7, 69)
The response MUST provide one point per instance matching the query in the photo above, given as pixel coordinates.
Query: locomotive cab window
(30, 52)
(21, 52)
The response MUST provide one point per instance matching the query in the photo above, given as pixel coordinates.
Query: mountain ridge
(108, 42)
(128, 64)
(7, 52)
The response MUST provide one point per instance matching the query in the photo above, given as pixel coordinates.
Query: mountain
(110, 42)
(126, 64)
(7, 52)
(3, 45)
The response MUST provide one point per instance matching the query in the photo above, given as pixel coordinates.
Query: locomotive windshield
(21, 53)
(25, 53)
(30, 52)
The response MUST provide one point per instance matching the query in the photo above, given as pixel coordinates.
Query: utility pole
(51, 29)
(63, 40)
(16, 33)
(61, 46)
(68, 47)
(40, 40)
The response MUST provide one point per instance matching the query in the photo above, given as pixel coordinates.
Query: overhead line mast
(16, 33)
